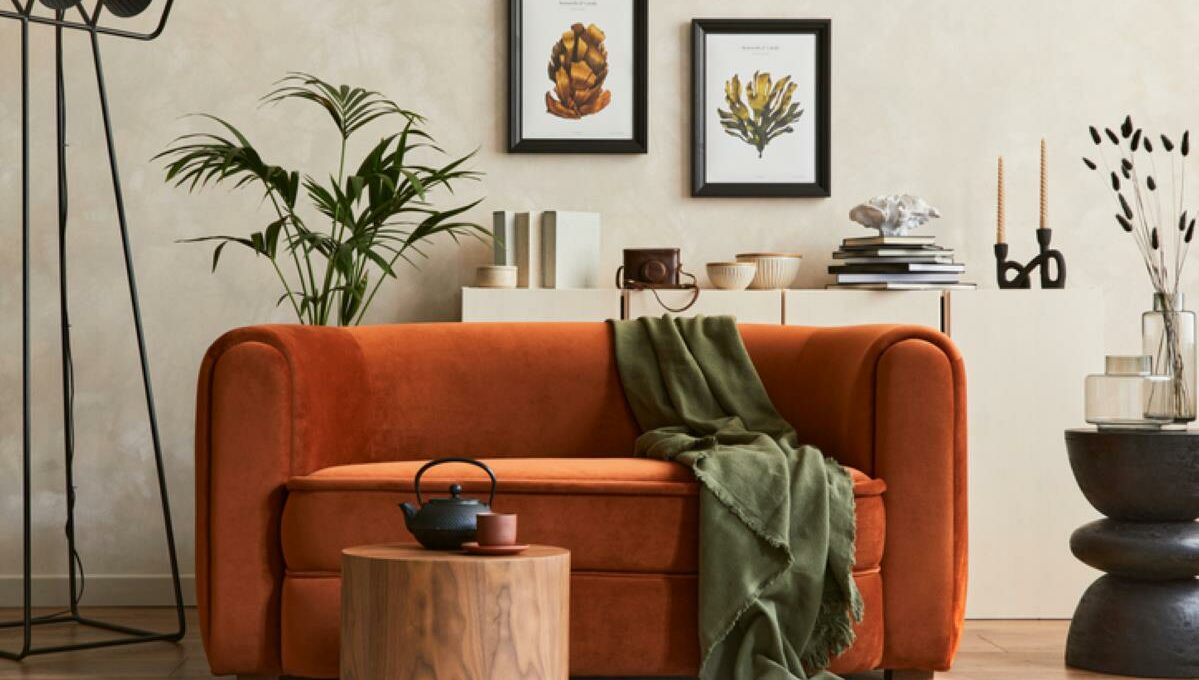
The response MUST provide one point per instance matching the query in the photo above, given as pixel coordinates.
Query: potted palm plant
(365, 219)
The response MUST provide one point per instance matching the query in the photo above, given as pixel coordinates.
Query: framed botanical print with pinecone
(577, 76)
(760, 115)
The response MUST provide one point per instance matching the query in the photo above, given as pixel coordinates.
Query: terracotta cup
(495, 528)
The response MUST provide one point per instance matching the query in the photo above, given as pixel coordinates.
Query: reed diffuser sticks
(1160, 224)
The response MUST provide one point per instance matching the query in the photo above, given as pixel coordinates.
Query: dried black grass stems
(1146, 209)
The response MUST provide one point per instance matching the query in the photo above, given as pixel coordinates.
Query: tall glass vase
(1168, 333)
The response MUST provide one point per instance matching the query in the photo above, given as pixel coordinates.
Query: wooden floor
(991, 650)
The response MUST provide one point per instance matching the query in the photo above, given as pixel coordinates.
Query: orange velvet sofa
(307, 438)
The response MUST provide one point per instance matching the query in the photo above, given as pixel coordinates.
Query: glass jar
(1168, 334)
(1128, 396)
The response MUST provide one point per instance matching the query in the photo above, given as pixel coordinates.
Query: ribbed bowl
(775, 270)
(732, 275)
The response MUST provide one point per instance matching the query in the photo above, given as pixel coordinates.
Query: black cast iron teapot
(446, 523)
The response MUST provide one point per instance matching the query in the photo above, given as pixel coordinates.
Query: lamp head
(120, 8)
(124, 8)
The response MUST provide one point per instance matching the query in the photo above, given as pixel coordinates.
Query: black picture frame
(638, 143)
(822, 186)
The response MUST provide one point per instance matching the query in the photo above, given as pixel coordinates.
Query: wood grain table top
(411, 552)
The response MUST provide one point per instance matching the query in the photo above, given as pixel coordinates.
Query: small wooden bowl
(495, 276)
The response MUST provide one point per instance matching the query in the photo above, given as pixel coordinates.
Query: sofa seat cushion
(627, 515)
(655, 629)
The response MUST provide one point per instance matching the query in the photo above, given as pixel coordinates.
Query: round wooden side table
(408, 613)
(1142, 617)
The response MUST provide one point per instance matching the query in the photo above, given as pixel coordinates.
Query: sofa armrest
(920, 451)
(891, 402)
(271, 402)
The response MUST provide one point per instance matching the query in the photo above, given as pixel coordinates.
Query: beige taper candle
(1001, 226)
(1044, 186)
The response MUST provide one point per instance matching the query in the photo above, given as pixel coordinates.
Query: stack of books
(896, 263)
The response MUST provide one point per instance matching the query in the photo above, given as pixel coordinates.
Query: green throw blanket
(776, 541)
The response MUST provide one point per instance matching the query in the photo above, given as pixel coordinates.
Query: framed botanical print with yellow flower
(577, 76)
(760, 117)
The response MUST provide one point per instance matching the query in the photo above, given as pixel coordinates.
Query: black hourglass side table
(1142, 617)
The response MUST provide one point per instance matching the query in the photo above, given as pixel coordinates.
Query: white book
(901, 286)
(893, 241)
(570, 249)
(503, 235)
(528, 251)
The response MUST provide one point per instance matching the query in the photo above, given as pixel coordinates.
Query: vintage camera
(655, 269)
(651, 268)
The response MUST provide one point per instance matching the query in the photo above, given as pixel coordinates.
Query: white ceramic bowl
(775, 270)
(732, 275)
(495, 276)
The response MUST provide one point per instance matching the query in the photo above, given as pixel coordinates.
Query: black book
(896, 268)
(851, 258)
(885, 251)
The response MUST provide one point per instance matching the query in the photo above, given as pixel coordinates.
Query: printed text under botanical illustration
(578, 67)
(764, 114)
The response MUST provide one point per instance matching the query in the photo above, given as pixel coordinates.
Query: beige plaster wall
(926, 93)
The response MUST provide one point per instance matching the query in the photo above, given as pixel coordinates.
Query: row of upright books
(896, 263)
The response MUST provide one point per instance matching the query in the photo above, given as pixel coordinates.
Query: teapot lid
(454, 499)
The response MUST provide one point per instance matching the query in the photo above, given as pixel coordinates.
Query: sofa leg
(908, 675)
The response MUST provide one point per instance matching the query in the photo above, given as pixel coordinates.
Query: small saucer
(475, 549)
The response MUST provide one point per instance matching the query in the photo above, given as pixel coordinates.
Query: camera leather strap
(629, 284)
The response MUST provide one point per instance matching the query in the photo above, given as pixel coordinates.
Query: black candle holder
(1013, 275)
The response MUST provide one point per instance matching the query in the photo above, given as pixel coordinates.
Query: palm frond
(351, 108)
(383, 211)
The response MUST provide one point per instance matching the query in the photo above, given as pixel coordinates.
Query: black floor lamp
(94, 24)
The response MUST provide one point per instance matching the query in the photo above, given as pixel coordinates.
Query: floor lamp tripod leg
(68, 369)
(141, 339)
(26, 391)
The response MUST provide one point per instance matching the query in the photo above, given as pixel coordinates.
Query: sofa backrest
(535, 390)
(495, 390)
(415, 391)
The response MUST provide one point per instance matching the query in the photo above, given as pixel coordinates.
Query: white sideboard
(600, 304)
(1027, 353)
(749, 306)
(855, 307)
(540, 304)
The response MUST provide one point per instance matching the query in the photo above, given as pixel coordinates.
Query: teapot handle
(468, 461)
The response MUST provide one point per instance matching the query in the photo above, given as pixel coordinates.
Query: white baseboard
(102, 590)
